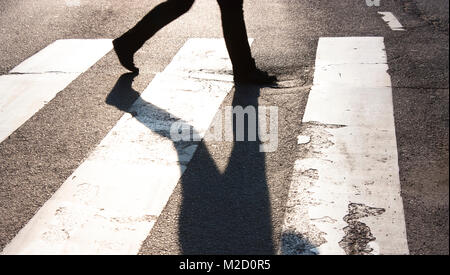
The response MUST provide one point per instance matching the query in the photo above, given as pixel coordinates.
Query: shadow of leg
(122, 96)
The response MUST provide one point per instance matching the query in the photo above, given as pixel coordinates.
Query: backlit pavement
(352, 156)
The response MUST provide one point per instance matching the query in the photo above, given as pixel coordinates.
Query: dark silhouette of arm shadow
(221, 213)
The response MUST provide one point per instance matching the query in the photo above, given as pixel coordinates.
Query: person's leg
(130, 42)
(236, 39)
(235, 34)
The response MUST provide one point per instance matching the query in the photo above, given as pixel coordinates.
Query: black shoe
(256, 77)
(125, 55)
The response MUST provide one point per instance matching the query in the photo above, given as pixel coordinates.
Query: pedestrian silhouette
(234, 30)
(221, 212)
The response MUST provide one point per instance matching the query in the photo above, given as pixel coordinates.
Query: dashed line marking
(392, 21)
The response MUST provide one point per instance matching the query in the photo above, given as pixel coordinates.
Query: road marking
(111, 202)
(392, 21)
(345, 193)
(37, 80)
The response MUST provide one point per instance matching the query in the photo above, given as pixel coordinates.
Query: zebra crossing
(36, 81)
(112, 200)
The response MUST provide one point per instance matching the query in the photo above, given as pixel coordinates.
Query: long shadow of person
(221, 213)
(229, 212)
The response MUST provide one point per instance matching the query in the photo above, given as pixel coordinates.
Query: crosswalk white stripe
(66, 56)
(345, 191)
(392, 21)
(37, 80)
(111, 202)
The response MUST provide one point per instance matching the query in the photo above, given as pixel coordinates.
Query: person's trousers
(233, 25)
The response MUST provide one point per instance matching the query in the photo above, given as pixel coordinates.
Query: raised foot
(125, 55)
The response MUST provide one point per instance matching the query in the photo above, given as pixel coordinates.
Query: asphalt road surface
(231, 199)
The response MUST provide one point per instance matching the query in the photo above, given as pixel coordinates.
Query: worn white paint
(352, 156)
(303, 139)
(36, 81)
(111, 202)
(392, 21)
